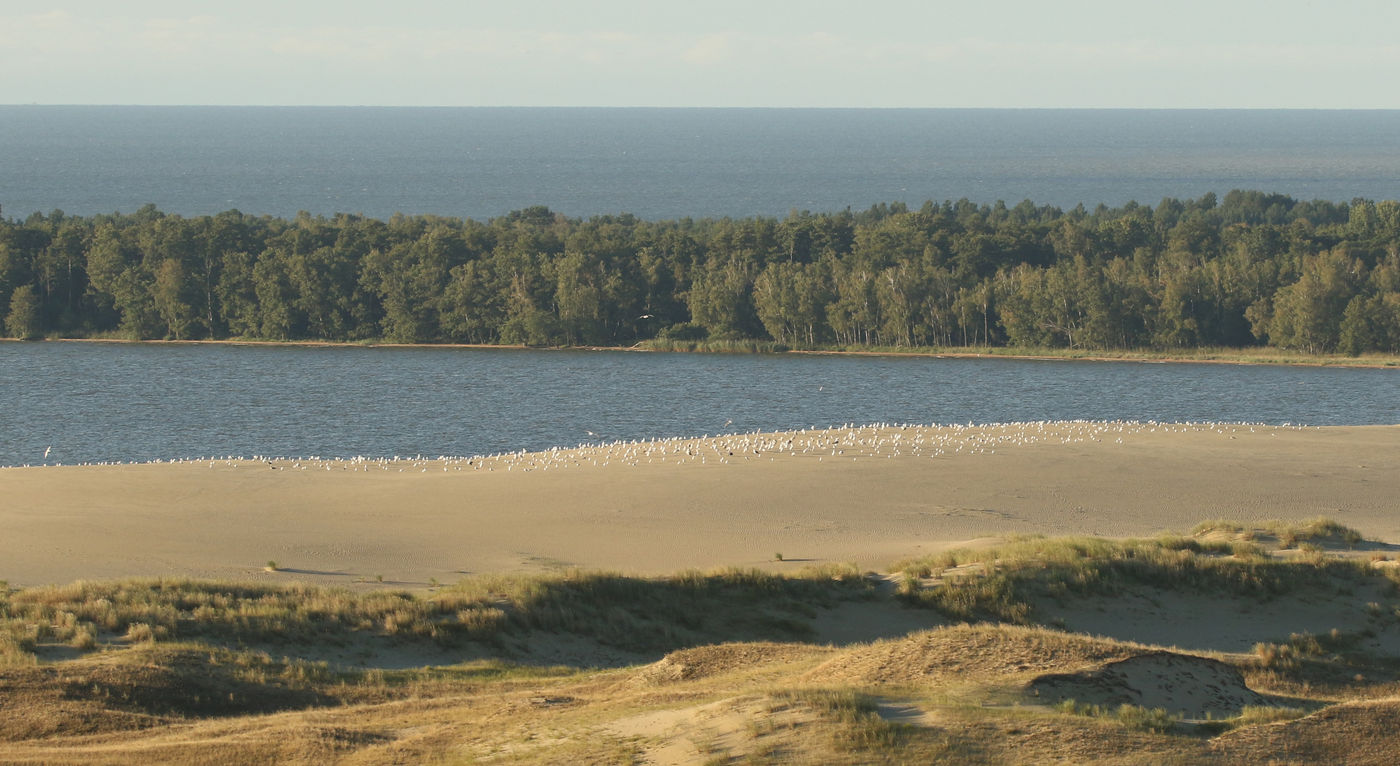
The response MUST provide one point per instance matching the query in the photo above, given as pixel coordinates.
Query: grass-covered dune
(1027, 650)
(1012, 593)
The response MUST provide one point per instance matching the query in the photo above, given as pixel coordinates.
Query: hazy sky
(896, 53)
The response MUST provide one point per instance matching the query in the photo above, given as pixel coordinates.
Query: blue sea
(670, 163)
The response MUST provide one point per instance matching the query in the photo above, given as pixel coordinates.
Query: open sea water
(670, 163)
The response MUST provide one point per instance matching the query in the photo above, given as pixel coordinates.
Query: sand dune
(722, 677)
(867, 495)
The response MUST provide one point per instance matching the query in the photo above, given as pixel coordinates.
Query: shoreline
(652, 442)
(1245, 356)
(1139, 357)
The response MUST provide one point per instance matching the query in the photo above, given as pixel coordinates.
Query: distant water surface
(123, 402)
(670, 163)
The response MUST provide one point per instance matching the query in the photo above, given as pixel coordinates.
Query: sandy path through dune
(868, 495)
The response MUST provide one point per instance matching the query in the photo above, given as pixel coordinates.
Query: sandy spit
(866, 495)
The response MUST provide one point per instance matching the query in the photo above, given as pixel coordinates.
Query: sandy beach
(865, 495)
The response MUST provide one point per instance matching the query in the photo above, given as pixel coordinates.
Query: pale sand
(870, 497)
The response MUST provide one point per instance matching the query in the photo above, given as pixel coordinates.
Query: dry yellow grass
(1359, 733)
(744, 714)
(318, 662)
(974, 693)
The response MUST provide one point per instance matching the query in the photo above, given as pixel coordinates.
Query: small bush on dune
(84, 638)
(909, 585)
(1273, 655)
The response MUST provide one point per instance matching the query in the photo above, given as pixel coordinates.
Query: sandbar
(868, 495)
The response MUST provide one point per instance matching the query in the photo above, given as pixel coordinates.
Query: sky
(1308, 54)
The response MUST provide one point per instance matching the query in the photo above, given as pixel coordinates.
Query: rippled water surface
(103, 402)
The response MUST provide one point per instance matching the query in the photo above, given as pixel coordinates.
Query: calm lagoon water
(129, 402)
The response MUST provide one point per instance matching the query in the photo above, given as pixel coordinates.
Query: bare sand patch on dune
(869, 495)
(1179, 683)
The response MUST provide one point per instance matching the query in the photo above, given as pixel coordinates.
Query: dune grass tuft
(1290, 534)
(1252, 715)
(1003, 582)
(626, 612)
(1319, 530)
(1156, 720)
(859, 727)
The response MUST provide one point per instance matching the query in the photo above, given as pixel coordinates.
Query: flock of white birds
(849, 442)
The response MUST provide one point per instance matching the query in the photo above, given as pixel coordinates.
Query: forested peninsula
(1251, 269)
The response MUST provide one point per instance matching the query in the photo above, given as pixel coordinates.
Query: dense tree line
(1250, 269)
